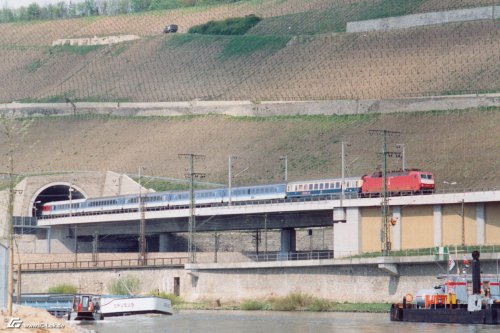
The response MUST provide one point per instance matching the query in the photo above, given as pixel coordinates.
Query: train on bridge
(403, 182)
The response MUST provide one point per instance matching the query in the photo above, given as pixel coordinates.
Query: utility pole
(230, 176)
(463, 223)
(11, 234)
(216, 244)
(265, 233)
(76, 244)
(95, 248)
(342, 217)
(285, 158)
(192, 221)
(385, 231)
(142, 224)
(402, 147)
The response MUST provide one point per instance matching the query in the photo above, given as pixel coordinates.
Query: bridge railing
(99, 264)
(278, 256)
(459, 250)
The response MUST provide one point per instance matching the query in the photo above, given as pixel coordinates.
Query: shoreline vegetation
(291, 302)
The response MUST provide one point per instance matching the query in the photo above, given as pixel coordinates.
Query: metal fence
(432, 251)
(100, 264)
(278, 256)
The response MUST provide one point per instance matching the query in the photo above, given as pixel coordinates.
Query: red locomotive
(400, 182)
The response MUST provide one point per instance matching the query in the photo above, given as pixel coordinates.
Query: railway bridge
(472, 218)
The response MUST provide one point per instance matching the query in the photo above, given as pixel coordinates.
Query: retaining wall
(422, 19)
(258, 109)
(332, 279)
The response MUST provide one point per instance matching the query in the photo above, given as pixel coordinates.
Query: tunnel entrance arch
(61, 191)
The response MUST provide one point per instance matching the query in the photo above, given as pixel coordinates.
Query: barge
(461, 299)
(132, 305)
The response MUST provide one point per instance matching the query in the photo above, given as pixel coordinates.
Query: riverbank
(292, 302)
(28, 319)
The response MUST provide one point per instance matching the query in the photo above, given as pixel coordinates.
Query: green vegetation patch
(335, 17)
(320, 121)
(291, 302)
(305, 302)
(116, 50)
(253, 305)
(183, 39)
(125, 285)
(230, 26)
(48, 99)
(174, 299)
(388, 8)
(34, 66)
(304, 23)
(63, 289)
(73, 49)
(239, 46)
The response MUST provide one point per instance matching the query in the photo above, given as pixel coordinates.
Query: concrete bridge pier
(288, 242)
(480, 224)
(347, 236)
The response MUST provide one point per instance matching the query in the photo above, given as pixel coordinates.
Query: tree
(7, 15)
(61, 10)
(90, 8)
(140, 5)
(34, 11)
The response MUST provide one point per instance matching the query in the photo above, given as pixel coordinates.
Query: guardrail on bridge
(103, 264)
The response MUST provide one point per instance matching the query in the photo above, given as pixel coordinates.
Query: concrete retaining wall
(248, 108)
(422, 19)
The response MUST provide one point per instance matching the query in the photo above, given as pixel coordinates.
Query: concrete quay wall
(331, 279)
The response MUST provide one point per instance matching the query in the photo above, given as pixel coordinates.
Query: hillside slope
(450, 59)
(458, 146)
(295, 52)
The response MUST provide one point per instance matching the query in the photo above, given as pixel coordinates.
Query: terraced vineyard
(297, 52)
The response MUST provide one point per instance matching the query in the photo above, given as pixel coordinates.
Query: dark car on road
(171, 28)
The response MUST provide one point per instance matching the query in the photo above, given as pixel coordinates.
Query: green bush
(252, 305)
(230, 26)
(174, 299)
(125, 285)
(319, 304)
(64, 289)
(291, 302)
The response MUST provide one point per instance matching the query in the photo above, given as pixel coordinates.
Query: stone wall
(107, 40)
(422, 19)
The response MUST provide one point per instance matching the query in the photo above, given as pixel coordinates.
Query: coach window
(321, 186)
(337, 184)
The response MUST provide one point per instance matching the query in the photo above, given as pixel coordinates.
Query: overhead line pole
(192, 221)
(385, 231)
(142, 224)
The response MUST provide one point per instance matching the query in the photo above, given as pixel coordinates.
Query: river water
(193, 321)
